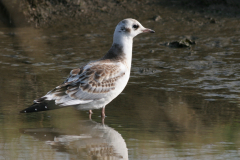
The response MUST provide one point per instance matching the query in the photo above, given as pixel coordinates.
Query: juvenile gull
(96, 84)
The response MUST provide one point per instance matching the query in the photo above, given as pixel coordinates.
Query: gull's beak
(147, 30)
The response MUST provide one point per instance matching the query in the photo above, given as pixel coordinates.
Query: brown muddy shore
(57, 13)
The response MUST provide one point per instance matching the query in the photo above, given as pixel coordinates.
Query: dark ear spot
(125, 29)
(128, 30)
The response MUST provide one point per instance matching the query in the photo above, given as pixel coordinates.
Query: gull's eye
(135, 26)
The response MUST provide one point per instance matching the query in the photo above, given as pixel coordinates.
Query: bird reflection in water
(91, 140)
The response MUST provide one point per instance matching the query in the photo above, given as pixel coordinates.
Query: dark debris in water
(211, 19)
(152, 51)
(27, 62)
(184, 43)
(146, 70)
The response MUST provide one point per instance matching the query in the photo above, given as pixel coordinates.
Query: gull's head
(130, 27)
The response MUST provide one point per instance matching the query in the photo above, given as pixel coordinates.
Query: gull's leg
(90, 114)
(103, 112)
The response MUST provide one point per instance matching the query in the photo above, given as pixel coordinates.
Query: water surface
(180, 103)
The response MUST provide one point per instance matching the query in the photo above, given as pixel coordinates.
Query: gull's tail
(41, 106)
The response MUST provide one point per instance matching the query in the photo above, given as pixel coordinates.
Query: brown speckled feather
(90, 82)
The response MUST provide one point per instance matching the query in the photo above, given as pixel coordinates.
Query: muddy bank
(76, 12)
(48, 13)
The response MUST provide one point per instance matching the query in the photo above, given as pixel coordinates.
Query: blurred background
(182, 100)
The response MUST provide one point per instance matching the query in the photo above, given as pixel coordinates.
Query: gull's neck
(121, 49)
(125, 41)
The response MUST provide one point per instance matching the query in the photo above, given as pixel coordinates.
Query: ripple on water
(42, 64)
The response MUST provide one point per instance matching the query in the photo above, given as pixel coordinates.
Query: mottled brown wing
(92, 82)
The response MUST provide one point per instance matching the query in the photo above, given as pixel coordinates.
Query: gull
(96, 84)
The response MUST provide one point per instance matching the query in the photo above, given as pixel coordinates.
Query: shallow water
(180, 103)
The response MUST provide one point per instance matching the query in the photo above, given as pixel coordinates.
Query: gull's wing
(92, 82)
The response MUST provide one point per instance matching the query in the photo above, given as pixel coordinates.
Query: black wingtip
(36, 107)
(42, 106)
(23, 111)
